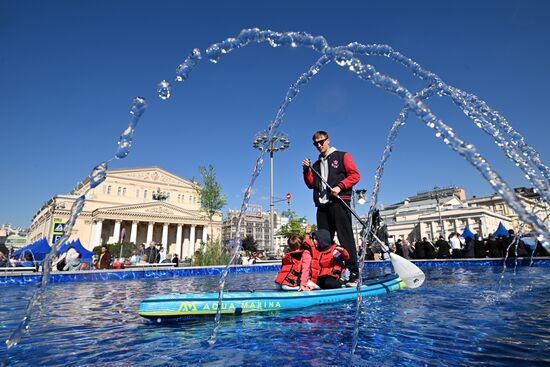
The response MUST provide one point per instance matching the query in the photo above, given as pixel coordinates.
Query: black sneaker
(352, 281)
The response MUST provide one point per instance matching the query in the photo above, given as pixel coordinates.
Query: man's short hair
(319, 134)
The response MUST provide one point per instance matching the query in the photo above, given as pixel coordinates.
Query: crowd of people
(152, 254)
(316, 262)
(458, 247)
(7, 259)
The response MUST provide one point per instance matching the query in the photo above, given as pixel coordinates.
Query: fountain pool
(469, 315)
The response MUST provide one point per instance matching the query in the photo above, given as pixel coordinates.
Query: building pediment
(153, 175)
(158, 209)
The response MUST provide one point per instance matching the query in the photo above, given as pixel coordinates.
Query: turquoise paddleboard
(236, 303)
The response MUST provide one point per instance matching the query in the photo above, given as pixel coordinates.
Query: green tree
(210, 192)
(295, 226)
(250, 244)
(211, 253)
(289, 213)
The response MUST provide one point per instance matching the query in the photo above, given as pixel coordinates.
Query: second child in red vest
(327, 260)
(294, 273)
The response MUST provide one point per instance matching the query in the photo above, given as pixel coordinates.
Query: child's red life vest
(291, 270)
(324, 263)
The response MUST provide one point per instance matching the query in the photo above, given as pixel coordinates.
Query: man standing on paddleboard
(339, 171)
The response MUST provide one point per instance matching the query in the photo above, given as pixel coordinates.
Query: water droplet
(164, 90)
(98, 175)
(139, 105)
(214, 53)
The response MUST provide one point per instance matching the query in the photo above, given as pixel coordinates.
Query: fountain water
(489, 120)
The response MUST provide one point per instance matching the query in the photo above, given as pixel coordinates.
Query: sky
(69, 71)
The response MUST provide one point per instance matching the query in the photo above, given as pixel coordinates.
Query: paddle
(407, 271)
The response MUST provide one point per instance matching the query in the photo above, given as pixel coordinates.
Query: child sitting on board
(327, 260)
(294, 273)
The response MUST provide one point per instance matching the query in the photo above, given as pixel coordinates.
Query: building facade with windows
(440, 212)
(135, 205)
(255, 223)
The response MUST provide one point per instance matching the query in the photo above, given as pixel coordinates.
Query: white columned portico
(98, 229)
(150, 232)
(204, 234)
(116, 232)
(133, 232)
(165, 236)
(178, 240)
(91, 242)
(192, 241)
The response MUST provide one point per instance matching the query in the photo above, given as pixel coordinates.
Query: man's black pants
(335, 217)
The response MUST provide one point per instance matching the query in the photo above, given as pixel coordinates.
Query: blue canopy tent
(501, 231)
(86, 256)
(38, 249)
(468, 233)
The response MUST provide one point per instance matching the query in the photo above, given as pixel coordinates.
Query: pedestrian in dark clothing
(419, 250)
(429, 248)
(338, 169)
(369, 254)
(494, 247)
(503, 244)
(468, 250)
(480, 251)
(443, 248)
(175, 260)
(540, 250)
(512, 242)
(152, 253)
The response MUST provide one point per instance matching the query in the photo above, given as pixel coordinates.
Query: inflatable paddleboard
(237, 303)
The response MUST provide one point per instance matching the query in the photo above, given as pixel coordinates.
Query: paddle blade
(407, 271)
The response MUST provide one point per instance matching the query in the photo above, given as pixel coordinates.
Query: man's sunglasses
(319, 142)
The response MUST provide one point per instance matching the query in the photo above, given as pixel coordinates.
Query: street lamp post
(358, 198)
(436, 195)
(278, 142)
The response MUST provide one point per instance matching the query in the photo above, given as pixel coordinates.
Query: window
(145, 194)
(179, 198)
(119, 191)
(190, 199)
(137, 193)
(109, 190)
(124, 191)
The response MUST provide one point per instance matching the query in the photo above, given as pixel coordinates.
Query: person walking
(338, 169)
(443, 248)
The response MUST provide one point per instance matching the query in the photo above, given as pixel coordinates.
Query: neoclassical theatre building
(135, 205)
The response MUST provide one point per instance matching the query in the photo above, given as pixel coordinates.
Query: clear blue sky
(69, 70)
